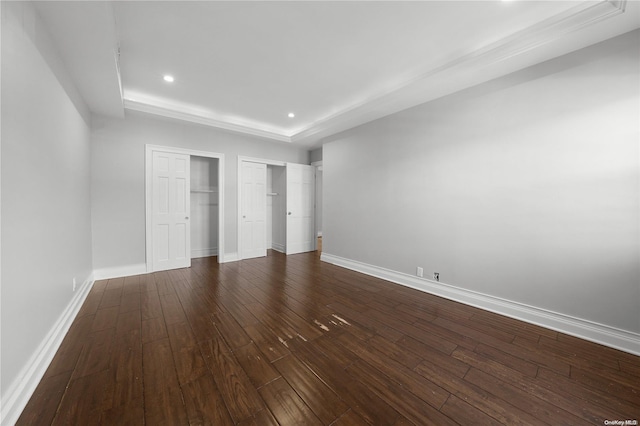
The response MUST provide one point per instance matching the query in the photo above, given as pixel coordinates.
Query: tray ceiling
(244, 66)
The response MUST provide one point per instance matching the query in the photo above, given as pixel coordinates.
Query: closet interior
(276, 208)
(204, 206)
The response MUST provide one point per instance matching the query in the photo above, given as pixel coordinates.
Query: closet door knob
(186, 217)
(289, 213)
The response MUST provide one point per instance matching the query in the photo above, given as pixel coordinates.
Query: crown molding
(580, 16)
(583, 15)
(423, 86)
(180, 114)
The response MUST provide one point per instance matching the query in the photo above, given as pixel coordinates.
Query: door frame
(242, 158)
(148, 183)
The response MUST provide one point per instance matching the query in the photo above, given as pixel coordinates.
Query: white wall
(204, 207)
(46, 232)
(525, 188)
(118, 194)
(315, 155)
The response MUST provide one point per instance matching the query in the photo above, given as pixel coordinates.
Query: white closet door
(300, 208)
(254, 210)
(170, 211)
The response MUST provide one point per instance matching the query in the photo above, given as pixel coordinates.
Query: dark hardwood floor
(294, 341)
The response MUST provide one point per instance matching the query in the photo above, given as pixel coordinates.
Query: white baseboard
(279, 247)
(17, 395)
(606, 335)
(230, 257)
(120, 271)
(208, 252)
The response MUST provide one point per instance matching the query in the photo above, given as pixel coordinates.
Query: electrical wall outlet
(419, 272)
(436, 276)
(74, 284)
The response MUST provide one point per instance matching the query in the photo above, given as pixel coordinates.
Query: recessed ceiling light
(291, 115)
(168, 78)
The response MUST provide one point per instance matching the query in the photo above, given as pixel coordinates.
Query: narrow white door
(254, 210)
(170, 211)
(300, 208)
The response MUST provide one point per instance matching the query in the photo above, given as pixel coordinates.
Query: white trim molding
(181, 113)
(207, 252)
(279, 248)
(231, 257)
(120, 271)
(266, 161)
(17, 395)
(599, 333)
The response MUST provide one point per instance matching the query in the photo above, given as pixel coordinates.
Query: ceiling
(244, 66)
